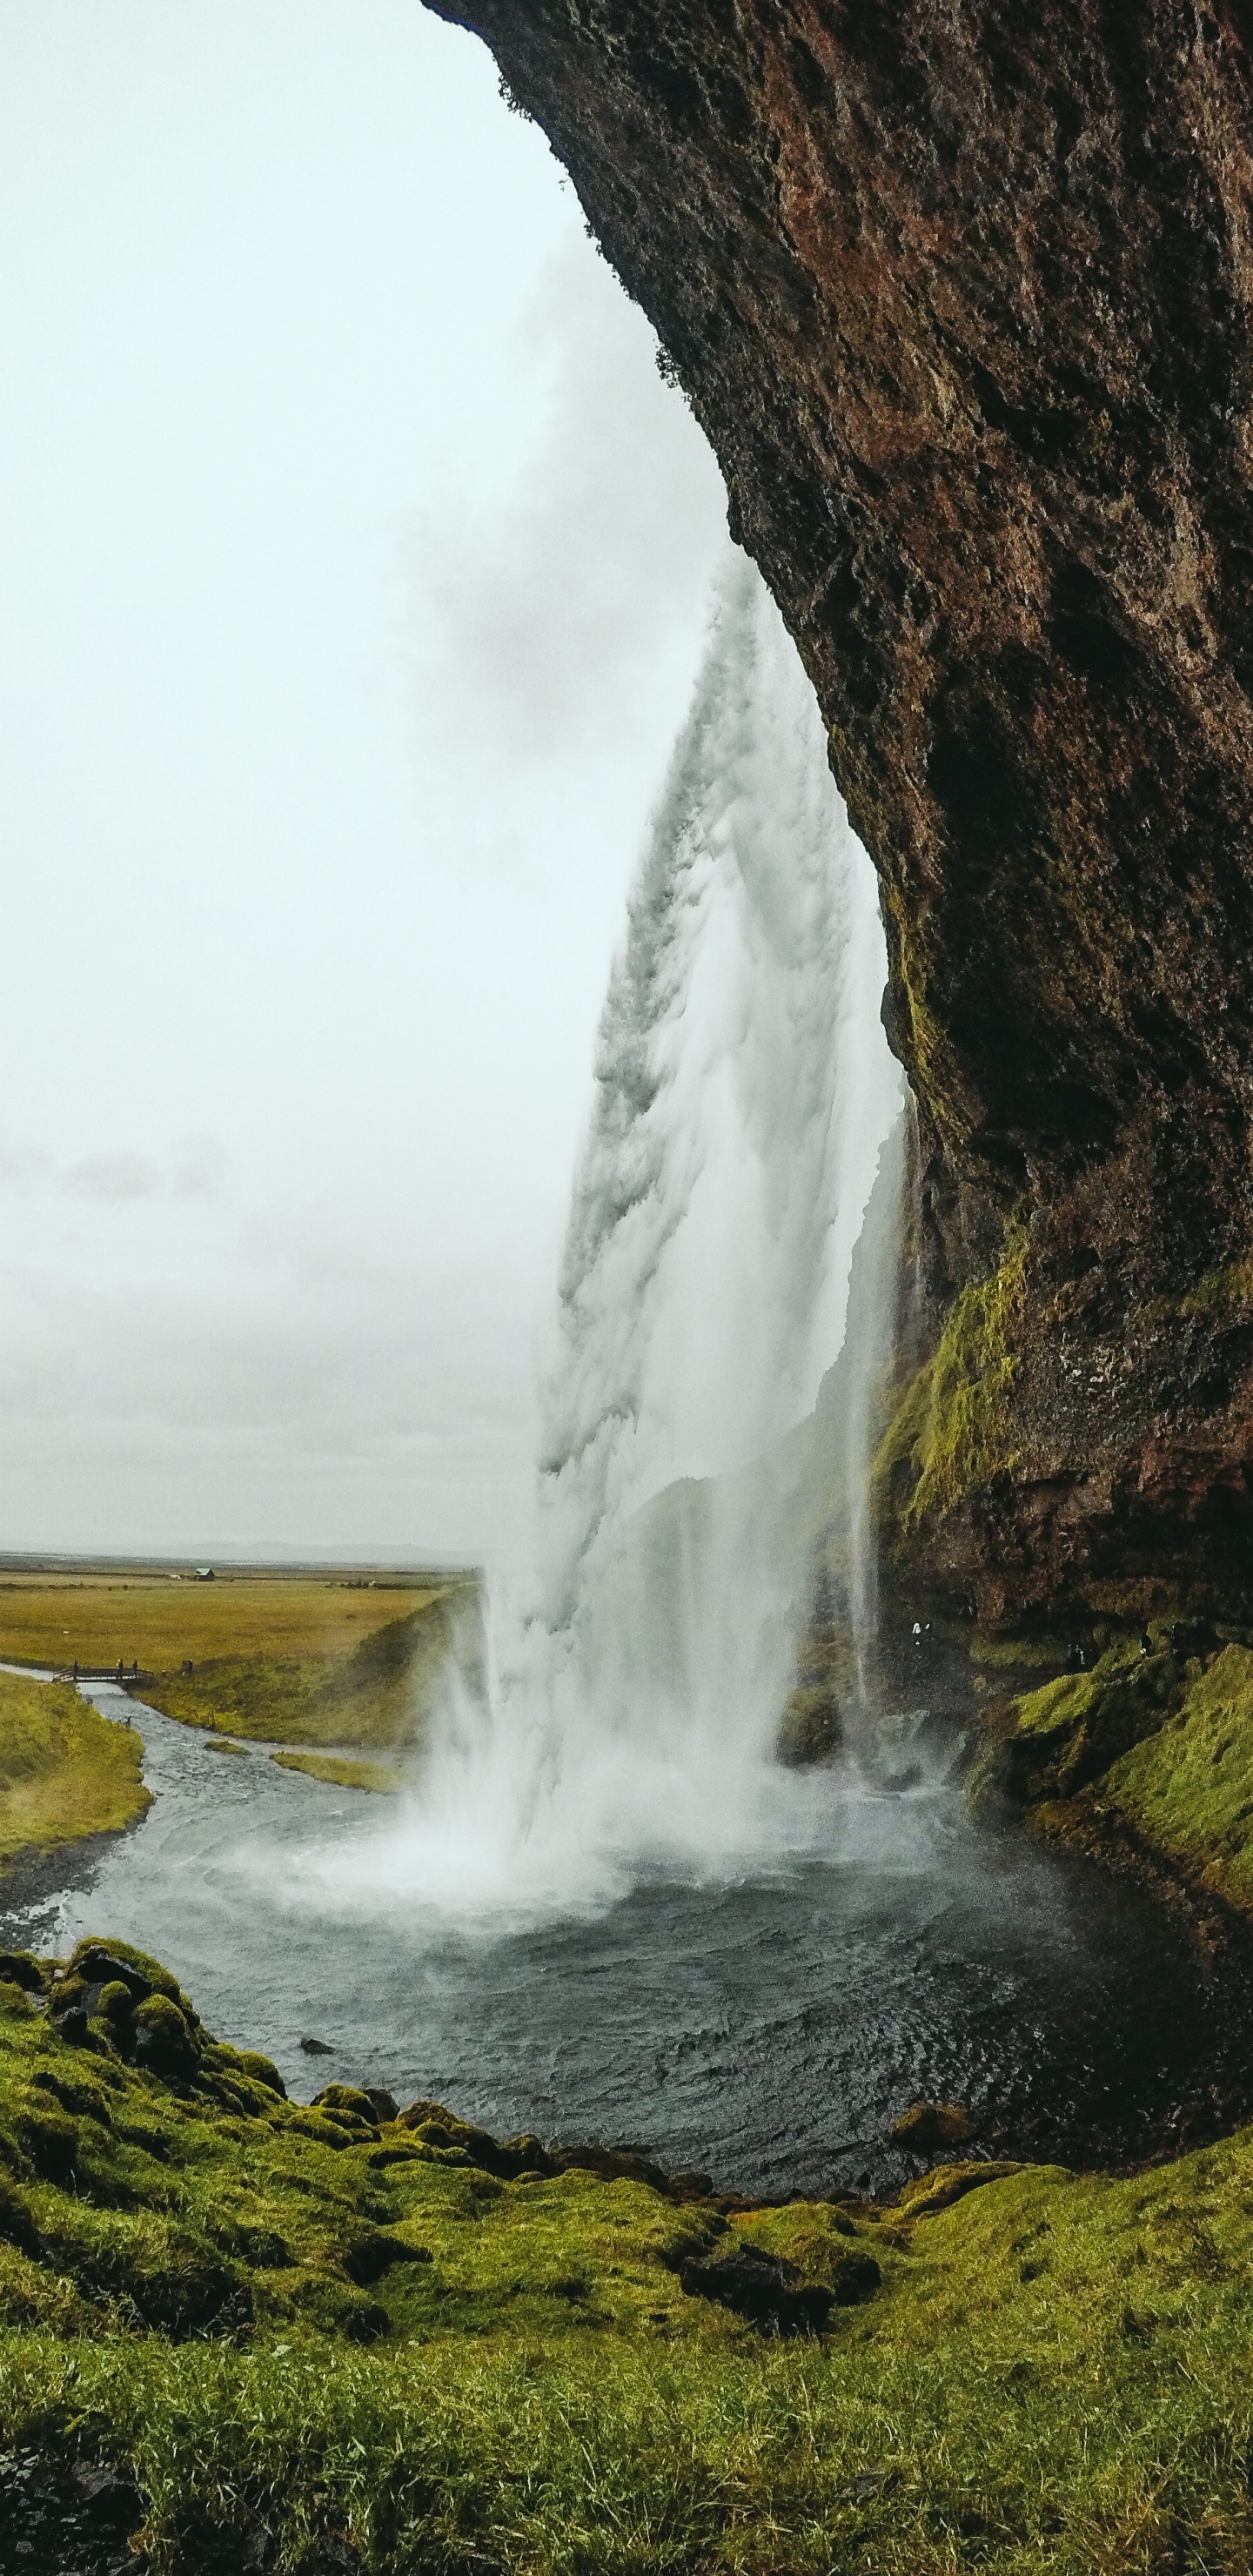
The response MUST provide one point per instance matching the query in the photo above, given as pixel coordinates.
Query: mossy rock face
(1055, 1742)
(952, 1433)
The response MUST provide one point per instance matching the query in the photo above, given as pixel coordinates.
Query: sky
(354, 571)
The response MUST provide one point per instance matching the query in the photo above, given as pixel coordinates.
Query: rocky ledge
(961, 300)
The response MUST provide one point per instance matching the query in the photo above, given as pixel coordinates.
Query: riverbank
(67, 1774)
(330, 2338)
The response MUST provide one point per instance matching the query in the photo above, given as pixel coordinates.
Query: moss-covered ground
(65, 1771)
(298, 2329)
(296, 1659)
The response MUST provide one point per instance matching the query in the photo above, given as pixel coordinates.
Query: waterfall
(743, 1094)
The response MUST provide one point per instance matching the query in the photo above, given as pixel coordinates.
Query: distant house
(205, 1574)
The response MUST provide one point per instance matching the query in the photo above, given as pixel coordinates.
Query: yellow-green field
(300, 1659)
(64, 1770)
(342, 1771)
(304, 2330)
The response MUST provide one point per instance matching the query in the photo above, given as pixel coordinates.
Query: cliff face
(960, 295)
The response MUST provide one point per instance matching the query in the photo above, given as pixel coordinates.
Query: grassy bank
(65, 1771)
(297, 1659)
(295, 2329)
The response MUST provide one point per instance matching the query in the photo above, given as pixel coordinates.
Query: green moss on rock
(1188, 1788)
(952, 1432)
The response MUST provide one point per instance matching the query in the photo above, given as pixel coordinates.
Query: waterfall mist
(744, 1095)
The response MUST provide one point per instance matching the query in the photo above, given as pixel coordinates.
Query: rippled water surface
(768, 2029)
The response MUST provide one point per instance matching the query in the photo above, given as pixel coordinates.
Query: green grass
(1057, 2373)
(292, 1659)
(343, 1772)
(65, 1771)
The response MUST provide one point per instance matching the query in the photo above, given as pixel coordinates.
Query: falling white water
(744, 1090)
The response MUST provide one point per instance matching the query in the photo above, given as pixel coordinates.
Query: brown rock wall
(960, 292)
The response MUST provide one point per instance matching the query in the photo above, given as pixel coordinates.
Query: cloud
(549, 609)
(117, 1177)
(195, 1168)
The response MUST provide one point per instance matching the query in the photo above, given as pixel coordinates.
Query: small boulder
(22, 1968)
(613, 2164)
(384, 2104)
(316, 2048)
(927, 2128)
(116, 2004)
(163, 2041)
(263, 2071)
(345, 2100)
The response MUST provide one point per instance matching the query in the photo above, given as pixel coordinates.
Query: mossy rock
(22, 1968)
(262, 2070)
(345, 2100)
(163, 2040)
(927, 2127)
(119, 1958)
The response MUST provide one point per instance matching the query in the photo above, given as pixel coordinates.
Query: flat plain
(314, 1658)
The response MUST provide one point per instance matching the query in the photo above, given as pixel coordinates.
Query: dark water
(768, 2029)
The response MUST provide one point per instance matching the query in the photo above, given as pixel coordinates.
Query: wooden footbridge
(124, 1676)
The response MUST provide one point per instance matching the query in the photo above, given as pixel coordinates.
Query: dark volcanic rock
(961, 299)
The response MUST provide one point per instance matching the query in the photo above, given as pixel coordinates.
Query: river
(767, 2025)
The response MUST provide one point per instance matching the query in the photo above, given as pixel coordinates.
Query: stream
(765, 2027)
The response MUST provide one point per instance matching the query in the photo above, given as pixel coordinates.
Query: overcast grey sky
(353, 570)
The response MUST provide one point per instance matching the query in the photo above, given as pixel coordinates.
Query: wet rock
(316, 2048)
(926, 2127)
(60, 2518)
(763, 2288)
(110, 2502)
(384, 2104)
